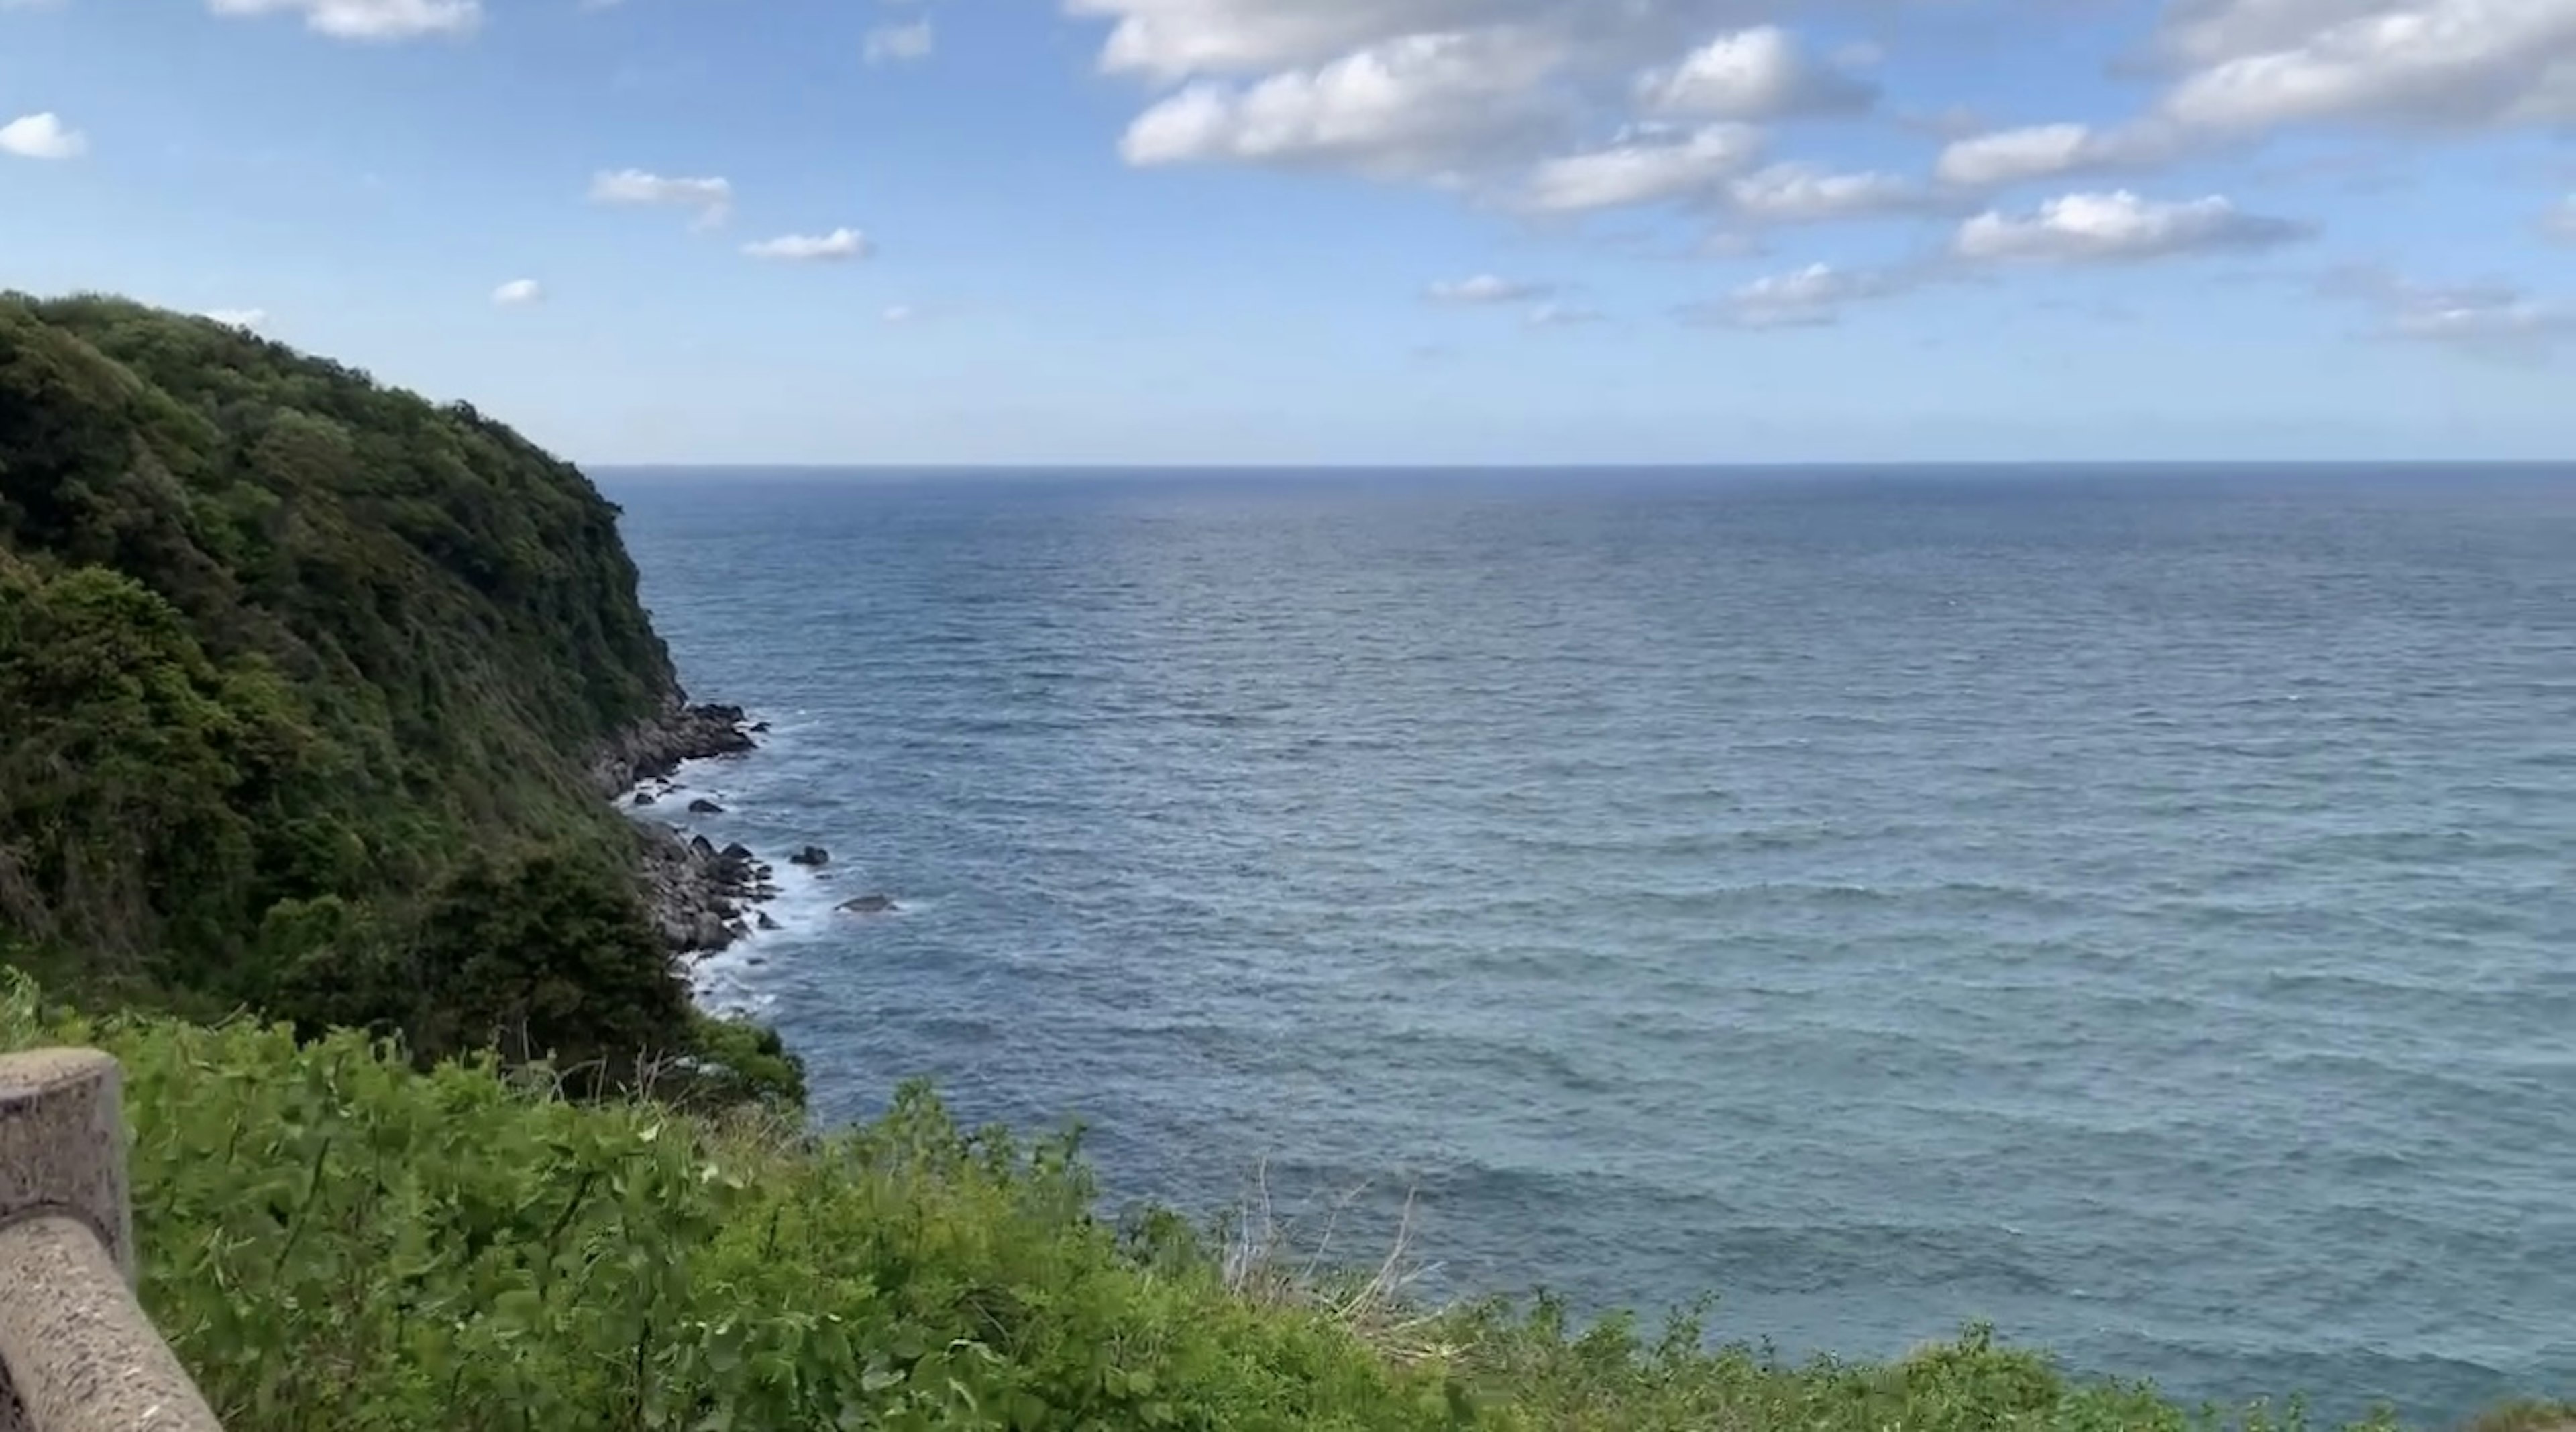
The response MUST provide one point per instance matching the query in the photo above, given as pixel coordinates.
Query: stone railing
(76, 1352)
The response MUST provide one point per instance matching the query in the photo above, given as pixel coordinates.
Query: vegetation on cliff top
(300, 678)
(335, 1240)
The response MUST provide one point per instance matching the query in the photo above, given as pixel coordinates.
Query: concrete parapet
(76, 1352)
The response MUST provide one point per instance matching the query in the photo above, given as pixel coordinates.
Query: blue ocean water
(2137, 908)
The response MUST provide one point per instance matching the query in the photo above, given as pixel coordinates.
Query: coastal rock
(869, 905)
(811, 855)
(699, 897)
(760, 728)
(654, 747)
(767, 923)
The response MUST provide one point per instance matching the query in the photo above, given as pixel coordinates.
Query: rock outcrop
(652, 749)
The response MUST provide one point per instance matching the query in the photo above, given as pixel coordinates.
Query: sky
(1300, 232)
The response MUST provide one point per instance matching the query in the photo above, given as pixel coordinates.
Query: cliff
(308, 692)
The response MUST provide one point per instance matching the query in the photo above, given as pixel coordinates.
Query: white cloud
(899, 43)
(1452, 91)
(1805, 194)
(2040, 151)
(1424, 106)
(712, 198)
(1752, 74)
(518, 293)
(1645, 166)
(833, 247)
(2252, 65)
(367, 19)
(2106, 228)
(42, 136)
(903, 313)
(2493, 321)
(1486, 288)
(1811, 297)
(250, 318)
(2561, 223)
(1173, 39)
(2244, 68)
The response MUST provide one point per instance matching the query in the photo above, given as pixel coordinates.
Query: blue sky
(1347, 231)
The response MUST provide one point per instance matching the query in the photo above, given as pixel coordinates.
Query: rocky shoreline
(701, 899)
(652, 749)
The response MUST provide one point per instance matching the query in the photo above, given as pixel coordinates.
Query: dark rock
(653, 748)
(760, 728)
(767, 923)
(870, 905)
(738, 853)
(704, 847)
(703, 806)
(756, 961)
(811, 855)
(643, 798)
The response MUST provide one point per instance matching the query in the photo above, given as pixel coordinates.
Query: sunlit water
(2138, 909)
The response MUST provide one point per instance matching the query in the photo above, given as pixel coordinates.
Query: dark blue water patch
(2132, 907)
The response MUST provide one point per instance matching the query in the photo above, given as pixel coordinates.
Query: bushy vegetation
(300, 678)
(335, 1239)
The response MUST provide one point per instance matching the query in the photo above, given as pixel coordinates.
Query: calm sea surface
(2138, 908)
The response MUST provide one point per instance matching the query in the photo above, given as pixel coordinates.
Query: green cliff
(305, 685)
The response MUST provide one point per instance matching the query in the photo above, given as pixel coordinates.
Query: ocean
(2136, 908)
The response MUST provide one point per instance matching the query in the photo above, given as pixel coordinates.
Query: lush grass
(334, 1239)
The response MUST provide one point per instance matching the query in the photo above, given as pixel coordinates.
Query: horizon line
(1820, 465)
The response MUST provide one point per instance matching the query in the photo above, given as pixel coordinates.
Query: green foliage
(333, 1239)
(299, 680)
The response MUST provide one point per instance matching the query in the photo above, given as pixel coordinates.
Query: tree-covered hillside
(301, 678)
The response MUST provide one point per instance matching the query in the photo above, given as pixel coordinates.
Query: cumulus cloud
(42, 136)
(247, 318)
(2255, 64)
(1485, 288)
(2046, 151)
(1423, 106)
(2493, 321)
(2117, 227)
(1437, 89)
(1811, 297)
(1174, 39)
(2241, 69)
(367, 19)
(896, 44)
(1806, 194)
(1645, 166)
(518, 293)
(1754, 74)
(834, 247)
(712, 198)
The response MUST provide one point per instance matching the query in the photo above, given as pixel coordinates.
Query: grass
(333, 1239)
